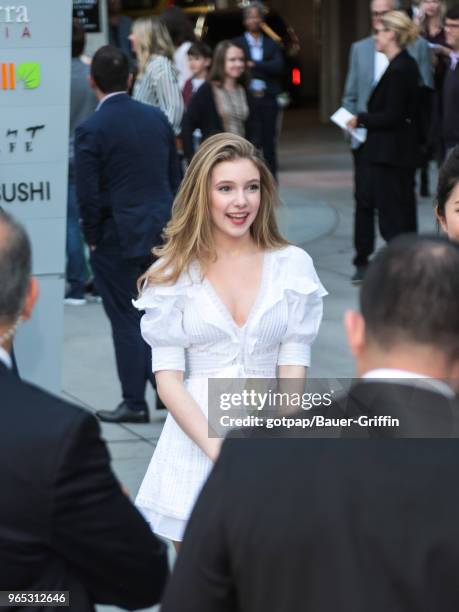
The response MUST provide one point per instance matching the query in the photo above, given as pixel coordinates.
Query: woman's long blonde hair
(152, 38)
(189, 233)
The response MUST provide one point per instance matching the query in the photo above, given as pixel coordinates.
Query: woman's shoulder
(294, 270)
(293, 257)
(153, 291)
(158, 63)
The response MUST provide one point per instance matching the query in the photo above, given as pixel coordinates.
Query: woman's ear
(441, 220)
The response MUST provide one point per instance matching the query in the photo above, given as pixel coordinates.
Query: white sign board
(35, 39)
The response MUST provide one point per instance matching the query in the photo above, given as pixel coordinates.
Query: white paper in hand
(341, 118)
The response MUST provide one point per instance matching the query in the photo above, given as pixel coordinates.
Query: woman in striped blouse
(157, 82)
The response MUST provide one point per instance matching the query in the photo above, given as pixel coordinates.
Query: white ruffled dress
(190, 329)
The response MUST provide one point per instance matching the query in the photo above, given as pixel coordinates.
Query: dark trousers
(116, 280)
(76, 272)
(266, 111)
(390, 191)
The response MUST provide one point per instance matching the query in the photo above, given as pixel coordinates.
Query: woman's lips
(238, 218)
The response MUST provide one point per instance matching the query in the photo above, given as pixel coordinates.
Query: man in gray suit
(366, 67)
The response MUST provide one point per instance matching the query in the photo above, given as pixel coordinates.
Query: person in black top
(66, 524)
(392, 145)
(223, 103)
(266, 64)
(355, 524)
(451, 82)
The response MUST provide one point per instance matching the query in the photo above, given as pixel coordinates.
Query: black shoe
(92, 295)
(123, 414)
(358, 275)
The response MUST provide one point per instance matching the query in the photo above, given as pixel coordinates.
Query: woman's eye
(254, 187)
(224, 188)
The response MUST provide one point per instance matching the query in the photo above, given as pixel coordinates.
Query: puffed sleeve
(162, 326)
(304, 293)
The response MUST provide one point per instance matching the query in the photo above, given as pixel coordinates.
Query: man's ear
(92, 83)
(354, 324)
(31, 297)
(130, 81)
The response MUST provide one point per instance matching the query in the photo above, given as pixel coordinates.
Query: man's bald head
(15, 267)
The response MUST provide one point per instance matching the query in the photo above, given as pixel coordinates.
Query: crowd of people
(282, 521)
(402, 88)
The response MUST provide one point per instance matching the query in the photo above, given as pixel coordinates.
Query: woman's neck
(226, 246)
(229, 83)
(392, 52)
(433, 25)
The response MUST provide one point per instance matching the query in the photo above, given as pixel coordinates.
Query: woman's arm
(186, 412)
(170, 99)
(292, 371)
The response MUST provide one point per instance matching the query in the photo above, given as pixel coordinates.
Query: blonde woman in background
(157, 82)
(228, 297)
(392, 144)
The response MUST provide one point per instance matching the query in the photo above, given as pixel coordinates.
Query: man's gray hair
(395, 4)
(15, 266)
(253, 5)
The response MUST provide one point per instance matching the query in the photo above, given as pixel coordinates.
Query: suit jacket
(327, 524)
(202, 114)
(127, 174)
(65, 524)
(392, 119)
(270, 68)
(360, 76)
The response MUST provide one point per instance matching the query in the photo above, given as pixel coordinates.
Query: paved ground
(316, 188)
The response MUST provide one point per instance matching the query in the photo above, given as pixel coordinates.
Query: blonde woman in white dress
(228, 298)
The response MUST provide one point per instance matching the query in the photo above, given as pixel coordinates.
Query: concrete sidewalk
(316, 188)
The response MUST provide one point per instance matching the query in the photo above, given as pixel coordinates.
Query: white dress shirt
(413, 379)
(5, 358)
(381, 63)
(110, 95)
(256, 55)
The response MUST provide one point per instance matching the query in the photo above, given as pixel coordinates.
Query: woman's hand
(213, 448)
(352, 123)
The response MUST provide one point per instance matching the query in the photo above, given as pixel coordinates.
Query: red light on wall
(296, 76)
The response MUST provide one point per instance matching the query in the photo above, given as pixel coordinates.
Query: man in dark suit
(127, 174)
(352, 524)
(65, 523)
(266, 64)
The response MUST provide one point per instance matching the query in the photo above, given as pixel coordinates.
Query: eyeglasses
(451, 26)
(379, 13)
(377, 31)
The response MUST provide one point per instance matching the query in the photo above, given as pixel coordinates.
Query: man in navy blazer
(127, 174)
(266, 65)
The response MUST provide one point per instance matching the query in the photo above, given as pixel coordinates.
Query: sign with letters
(87, 12)
(35, 67)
